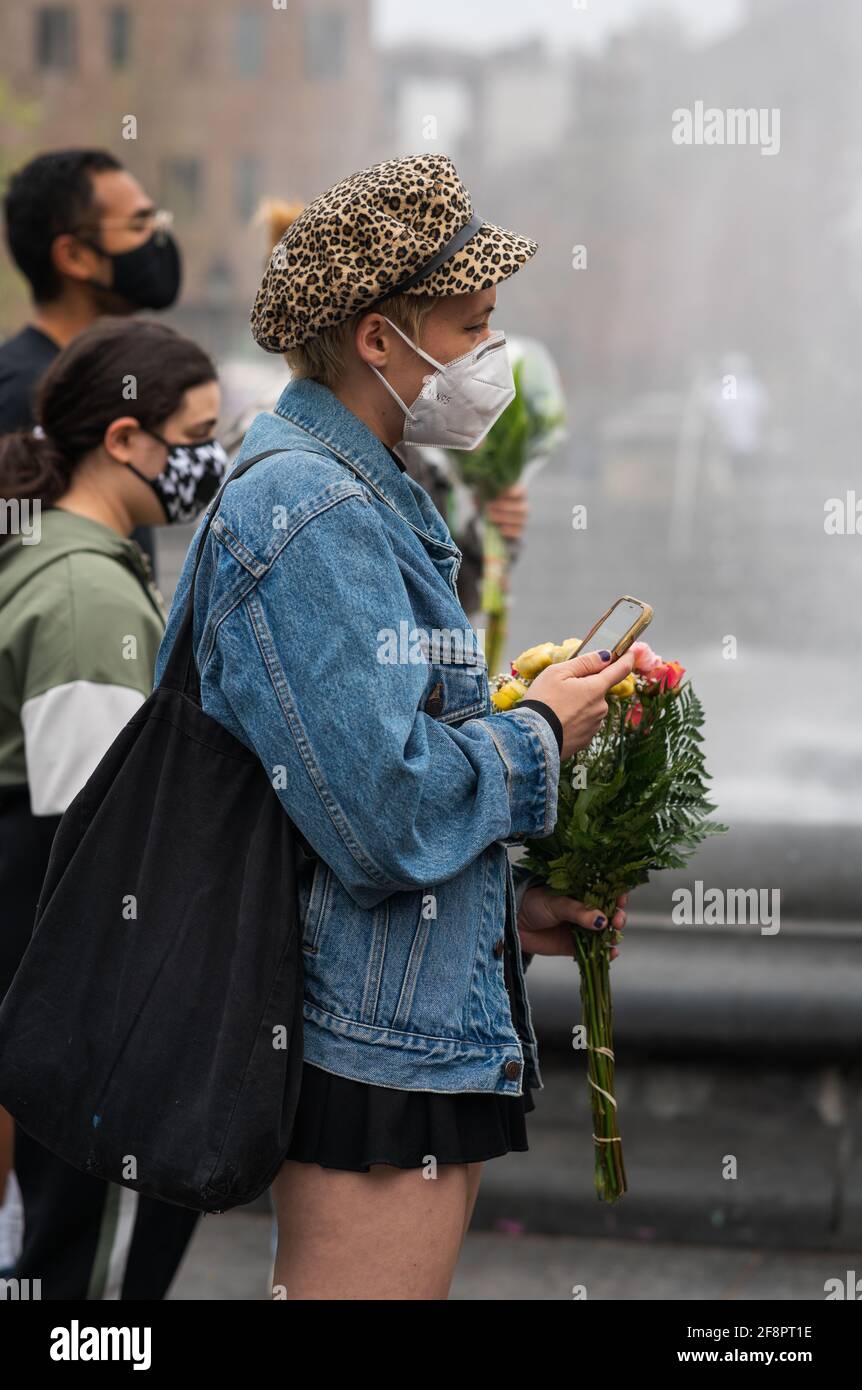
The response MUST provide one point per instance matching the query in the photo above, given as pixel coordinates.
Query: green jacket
(80, 626)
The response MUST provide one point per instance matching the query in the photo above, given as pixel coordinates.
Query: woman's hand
(546, 918)
(576, 690)
(509, 511)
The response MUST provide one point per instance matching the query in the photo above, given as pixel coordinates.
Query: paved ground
(229, 1259)
(790, 1219)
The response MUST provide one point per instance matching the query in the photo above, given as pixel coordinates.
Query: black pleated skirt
(347, 1124)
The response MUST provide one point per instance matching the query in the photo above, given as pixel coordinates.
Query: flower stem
(592, 952)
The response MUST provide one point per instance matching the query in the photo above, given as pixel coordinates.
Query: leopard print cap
(361, 238)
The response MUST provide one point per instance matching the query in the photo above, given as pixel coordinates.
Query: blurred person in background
(89, 241)
(514, 449)
(81, 625)
(735, 408)
(461, 507)
(736, 404)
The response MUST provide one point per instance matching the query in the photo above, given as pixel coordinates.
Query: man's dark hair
(50, 195)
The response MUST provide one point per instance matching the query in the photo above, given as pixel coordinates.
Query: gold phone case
(634, 631)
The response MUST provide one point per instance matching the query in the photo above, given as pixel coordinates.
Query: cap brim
(490, 256)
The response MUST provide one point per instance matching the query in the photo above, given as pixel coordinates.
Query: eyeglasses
(157, 220)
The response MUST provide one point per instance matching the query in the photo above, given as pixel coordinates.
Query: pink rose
(646, 660)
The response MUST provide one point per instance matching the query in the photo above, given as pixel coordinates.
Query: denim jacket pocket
(455, 690)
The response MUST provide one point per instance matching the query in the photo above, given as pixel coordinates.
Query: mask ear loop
(393, 393)
(150, 482)
(415, 346)
(143, 477)
(391, 389)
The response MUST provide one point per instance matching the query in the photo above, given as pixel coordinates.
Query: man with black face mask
(90, 242)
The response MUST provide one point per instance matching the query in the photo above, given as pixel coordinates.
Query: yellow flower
(567, 649)
(534, 660)
(508, 694)
(624, 688)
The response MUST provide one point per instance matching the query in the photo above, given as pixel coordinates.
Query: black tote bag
(152, 1035)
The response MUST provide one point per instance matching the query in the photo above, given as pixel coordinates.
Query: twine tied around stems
(606, 1094)
(593, 964)
(600, 1139)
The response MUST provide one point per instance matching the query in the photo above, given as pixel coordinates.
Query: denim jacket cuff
(551, 717)
(526, 743)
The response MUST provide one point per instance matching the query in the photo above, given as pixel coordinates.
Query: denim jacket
(322, 604)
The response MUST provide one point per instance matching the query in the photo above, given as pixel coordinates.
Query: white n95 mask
(460, 400)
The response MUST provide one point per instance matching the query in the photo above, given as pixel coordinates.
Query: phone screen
(609, 633)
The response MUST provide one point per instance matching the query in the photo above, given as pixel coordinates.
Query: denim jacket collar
(317, 410)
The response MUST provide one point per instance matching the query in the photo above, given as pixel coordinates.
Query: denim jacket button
(512, 1070)
(499, 946)
(434, 703)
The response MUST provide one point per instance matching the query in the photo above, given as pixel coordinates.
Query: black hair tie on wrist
(549, 714)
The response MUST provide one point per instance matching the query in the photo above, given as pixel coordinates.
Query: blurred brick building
(231, 101)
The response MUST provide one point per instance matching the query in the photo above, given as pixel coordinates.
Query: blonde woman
(330, 639)
(463, 510)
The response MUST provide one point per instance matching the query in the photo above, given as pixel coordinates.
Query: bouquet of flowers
(633, 802)
(513, 449)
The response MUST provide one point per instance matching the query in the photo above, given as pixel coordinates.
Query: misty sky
(472, 23)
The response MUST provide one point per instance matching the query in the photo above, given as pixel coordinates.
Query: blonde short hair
(323, 358)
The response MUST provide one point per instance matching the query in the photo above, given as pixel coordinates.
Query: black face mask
(149, 277)
(190, 477)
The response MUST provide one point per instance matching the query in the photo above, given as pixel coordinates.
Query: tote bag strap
(181, 672)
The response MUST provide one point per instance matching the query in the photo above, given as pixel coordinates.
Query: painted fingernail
(600, 921)
(606, 656)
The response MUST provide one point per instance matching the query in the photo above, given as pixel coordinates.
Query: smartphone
(619, 627)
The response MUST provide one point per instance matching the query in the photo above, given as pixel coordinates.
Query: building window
(119, 37)
(247, 185)
(56, 39)
(248, 47)
(182, 185)
(325, 43)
